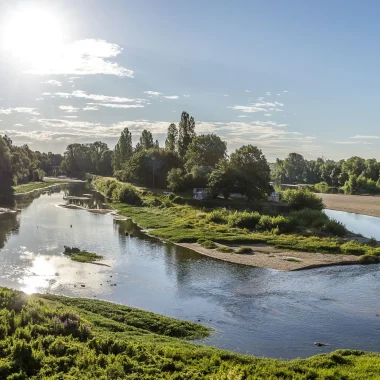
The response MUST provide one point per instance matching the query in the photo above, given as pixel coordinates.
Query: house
(200, 193)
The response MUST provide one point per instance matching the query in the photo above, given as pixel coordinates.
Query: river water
(253, 310)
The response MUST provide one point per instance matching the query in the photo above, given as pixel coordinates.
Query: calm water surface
(253, 310)
(368, 226)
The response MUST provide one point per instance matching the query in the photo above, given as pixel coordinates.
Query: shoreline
(39, 189)
(356, 204)
(268, 257)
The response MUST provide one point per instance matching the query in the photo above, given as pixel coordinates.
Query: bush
(269, 223)
(225, 249)
(302, 198)
(244, 250)
(334, 227)
(219, 216)
(354, 248)
(309, 218)
(244, 219)
(207, 244)
(372, 242)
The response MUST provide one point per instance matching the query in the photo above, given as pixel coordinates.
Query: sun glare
(32, 34)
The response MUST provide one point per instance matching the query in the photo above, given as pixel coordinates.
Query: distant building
(200, 193)
(274, 197)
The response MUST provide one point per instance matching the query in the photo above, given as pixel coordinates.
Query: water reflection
(253, 310)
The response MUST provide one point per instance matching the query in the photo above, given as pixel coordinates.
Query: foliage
(206, 244)
(334, 227)
(6, 175)
(222, 179)
(145, 141)
(302, 198)
(123, 149)
(176, 180)
(172, 138)
(94, 158)
(81, 256)
(243, 250)
(244, 219)
(117, 191)
(219, 216)
(26, 188)
(186, 133)
(53, 337)
(150, 168)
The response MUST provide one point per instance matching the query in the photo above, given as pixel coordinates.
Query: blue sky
(283, 75)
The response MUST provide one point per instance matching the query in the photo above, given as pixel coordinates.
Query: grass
(81, 256)
(303, 230)
(31, 186)
(293, 259)
(52, 337)
(225, 249)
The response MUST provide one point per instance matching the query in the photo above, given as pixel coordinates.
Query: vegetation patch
(53, 337)
(243, 250)
(31, 186)
(225, 249)
(76, 254)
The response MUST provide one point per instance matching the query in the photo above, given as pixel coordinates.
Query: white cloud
(172, 97)
(83, 57)
(91, 108)
(285, 91)
(278, 94)
(352, 142)
(267, 114)
(244, 116)
(267, 93)
(53, 82)
(18, 125)
(100, 98)
(186, 96)
(112, 105)
(69, 109)
(225, 95)
(247, 90)
(8, 111)
(260, 107)
(153, 93)
(365, 137)
(71, 117)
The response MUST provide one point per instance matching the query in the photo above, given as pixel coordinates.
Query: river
(253, 310)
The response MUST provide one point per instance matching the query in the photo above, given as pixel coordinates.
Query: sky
(286, 76)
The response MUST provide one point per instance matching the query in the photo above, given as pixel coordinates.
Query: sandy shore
(269, 257)
(358, 204)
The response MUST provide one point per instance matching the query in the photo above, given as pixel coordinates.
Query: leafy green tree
(222, 179)
(186, 133)
(176, 179)
(172, 138)
(145, 141)
(6, 175)
(123, 149)
(296, 168)
(252, 172)
(205, 150)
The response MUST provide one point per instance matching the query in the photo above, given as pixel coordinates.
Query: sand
(268, 257)
(358, 204)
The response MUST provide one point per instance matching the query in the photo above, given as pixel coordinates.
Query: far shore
(264, 256)
(357, 204)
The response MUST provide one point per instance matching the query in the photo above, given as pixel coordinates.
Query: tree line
(355, 175)
(20, 164)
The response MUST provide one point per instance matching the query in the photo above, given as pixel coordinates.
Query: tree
(176, 180)
(172, 138)
(296, 168)
(186, 133)
(222, 179)
(123, 149)
(6, 175)
(205, 150)
(252, 172)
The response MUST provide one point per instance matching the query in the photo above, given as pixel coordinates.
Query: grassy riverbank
(51, 337)
(31, 186)
(168, 217)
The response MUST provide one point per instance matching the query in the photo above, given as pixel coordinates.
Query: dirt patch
(268, 257)
(358, 204)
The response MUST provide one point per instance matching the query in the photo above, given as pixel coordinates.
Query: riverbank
(308, 232)
(357, 204)
(80, 338)
(264, 256)
(30, 187)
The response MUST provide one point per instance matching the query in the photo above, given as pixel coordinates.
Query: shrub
(332, 226)
(219, 216)
(244, 250)
(225, 249)
(369, 259)
(244, 219)
(268, 223)
(372, 242)
(127, 194)
(309, 218)
(302, 198)
(207, 244)
(354, 248)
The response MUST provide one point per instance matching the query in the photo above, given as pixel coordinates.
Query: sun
(31, 34)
